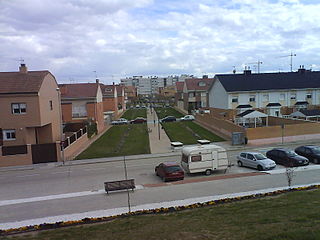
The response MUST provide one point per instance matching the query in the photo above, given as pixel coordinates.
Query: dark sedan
(138, 120)
(169, 171)
(311, 152)
(287, 157)
(169, 119)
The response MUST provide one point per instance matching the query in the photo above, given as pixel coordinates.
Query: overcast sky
(119, 38)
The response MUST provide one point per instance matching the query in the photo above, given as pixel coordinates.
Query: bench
(176, 145)
(119, 185)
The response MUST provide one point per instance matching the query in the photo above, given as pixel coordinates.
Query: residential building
(30, 123)
(148, 86)
(179, 95)
(110, 99)
(82, 102)
(268, 91)
(195, 93)
(130, 92)
(169, 91)
(121, 95)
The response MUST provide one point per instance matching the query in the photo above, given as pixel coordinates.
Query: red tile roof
(179, 86)
(107, 90)
(79, 90)
(199, 84)
(16, 82)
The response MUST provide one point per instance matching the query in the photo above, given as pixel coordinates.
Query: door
(251, 161)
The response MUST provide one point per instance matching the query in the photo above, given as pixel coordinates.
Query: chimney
(301, 69)
(247, 72)
(97, 80)
(23, 68)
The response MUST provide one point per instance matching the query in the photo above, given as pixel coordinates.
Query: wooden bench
(119, 185)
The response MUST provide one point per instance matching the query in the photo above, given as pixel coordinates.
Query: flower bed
(46, 226)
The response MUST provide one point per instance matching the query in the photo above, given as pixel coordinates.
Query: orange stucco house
(30, 122)
(82, 102)
(114, 100)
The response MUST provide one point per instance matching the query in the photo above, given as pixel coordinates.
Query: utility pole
(291, 55)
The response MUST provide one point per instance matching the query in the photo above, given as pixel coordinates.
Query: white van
(204, 158)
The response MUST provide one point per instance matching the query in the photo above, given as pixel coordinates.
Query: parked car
(255, 160)
(311, 152)
(287, 157)
(120, 121)
(168, 119)
(169, 171)
(187, 118)
(138, 120)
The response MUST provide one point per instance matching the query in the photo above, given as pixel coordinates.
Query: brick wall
(289, 130)
(110, 104)
(221, 127)
(16, 160)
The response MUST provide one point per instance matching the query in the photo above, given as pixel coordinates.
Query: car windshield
(316, 150)
(260, 156)
(172, 169)
(291, 153)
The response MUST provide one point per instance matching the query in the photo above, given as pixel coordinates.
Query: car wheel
(207, 172)
(316, 161)
(240, 164)
(260, 168)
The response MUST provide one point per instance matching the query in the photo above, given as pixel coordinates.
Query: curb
(169, 209)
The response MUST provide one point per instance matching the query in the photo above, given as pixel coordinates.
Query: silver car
(255, 160)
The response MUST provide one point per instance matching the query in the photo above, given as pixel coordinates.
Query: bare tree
(290, 173)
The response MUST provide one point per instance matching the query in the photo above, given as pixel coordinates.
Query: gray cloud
(72, 38)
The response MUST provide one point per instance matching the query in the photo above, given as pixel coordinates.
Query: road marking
(61, 172)
(146, 206)
(30, 175)
(57, 196)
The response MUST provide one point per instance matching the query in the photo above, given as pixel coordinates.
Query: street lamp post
(126, 178)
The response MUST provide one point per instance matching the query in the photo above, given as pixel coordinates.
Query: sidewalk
(159, 142)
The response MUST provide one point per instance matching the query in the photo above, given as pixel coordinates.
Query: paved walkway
(159, 142)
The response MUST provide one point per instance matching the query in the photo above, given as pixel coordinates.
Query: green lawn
(290, 216)
(163, 112)
(186, 132)
(119, 140)
(131, 114)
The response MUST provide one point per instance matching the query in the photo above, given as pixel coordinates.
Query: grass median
(187, 132)
(290, 216)
(122, 140)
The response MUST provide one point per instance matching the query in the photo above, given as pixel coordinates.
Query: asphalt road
(83, 185)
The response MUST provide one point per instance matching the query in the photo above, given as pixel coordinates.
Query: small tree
(290, 173)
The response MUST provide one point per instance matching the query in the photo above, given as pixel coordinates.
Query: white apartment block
(270, 91)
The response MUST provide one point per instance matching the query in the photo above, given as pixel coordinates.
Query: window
(234, 99)
(293, 96)
(250, 157)
(196, 158)
(202, 84)
(244, 155)
(252, 98)
(192, 94)
(282, 97)
(309, 96)
(184, 158)
(265, 97)
(19, 108)
(203, 94)
(9, 134)
(51, 105)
